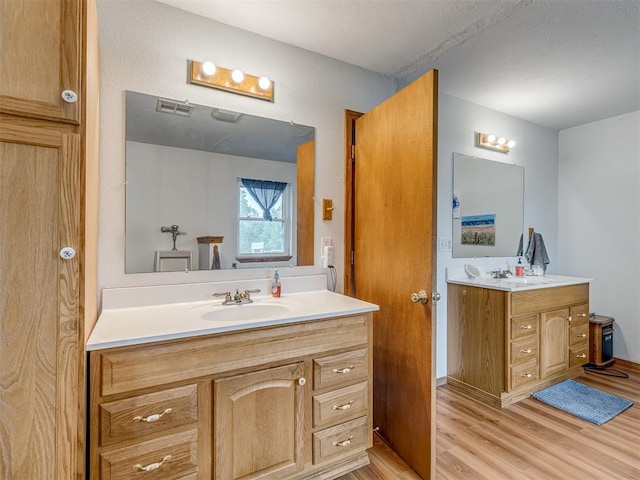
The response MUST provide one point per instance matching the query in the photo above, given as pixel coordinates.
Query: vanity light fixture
(236, 81)
(491, 142)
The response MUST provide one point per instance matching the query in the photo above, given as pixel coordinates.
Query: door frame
(350, 117)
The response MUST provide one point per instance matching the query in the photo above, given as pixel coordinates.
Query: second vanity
(510, 337)
(278, 388)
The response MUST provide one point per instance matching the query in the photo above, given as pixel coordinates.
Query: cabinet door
(554, 346)
(259, 424)
(39, 201)
(40, 53)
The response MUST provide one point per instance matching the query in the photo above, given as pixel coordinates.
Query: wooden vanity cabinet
(285, 402)
(502, 345)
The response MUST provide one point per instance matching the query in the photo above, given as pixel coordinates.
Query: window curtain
(265, 193)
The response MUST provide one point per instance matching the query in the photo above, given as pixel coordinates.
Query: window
(263, 220)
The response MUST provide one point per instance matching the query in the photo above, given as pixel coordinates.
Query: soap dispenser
(519, 268)
(276, 287)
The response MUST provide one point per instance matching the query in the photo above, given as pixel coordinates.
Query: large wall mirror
(215, 189)
(488, 200)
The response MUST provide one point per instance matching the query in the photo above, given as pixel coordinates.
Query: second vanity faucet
(238, 298)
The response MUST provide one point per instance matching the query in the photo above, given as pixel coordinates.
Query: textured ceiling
(557, 63)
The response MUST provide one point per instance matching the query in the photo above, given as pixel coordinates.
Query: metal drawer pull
(343, 370)
(526, 350)
(152, 466)
(527, 375)
(344, 443)
(582, 355)
(153, 418)
(581, 335)
(582, 315)
(526, 327)
(346, 406)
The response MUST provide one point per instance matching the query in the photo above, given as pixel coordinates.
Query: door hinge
(353, 257)
(353, 153)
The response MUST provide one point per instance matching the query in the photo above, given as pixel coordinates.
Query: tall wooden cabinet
(48, 162)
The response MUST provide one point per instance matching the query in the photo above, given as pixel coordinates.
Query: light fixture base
(222, 80)
(482, 141)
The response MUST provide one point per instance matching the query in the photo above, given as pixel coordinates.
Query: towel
(519, 252)
(536, 252)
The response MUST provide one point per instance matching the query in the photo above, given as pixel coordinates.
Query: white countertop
(154, 322)
(512, 284)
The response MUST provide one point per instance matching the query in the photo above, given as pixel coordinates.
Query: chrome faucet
(500, 273)
(174, 230)
(239, 298)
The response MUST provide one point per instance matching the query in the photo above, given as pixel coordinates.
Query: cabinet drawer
(340, 369)
(579, 314)
(172, 456)
(524, 350)
(340, 405)
(523, 326)
(339, 440)
(537, 300)
(524, 374)
(136, 367)
(578, 334)
(578, 355)
(138, 416)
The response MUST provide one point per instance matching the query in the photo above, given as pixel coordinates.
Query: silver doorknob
(421, 297)
(435, 296)
(67, 253)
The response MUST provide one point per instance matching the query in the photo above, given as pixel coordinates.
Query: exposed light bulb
(511, 144)
(208, 69)
(264, 83)
(491, 138)
(502, 141)
(237, 76)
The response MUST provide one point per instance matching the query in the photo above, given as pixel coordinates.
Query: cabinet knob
(527, 375)
(569, 318)
(302, 381)
(581, 335)
(67, 253)
(152, 466)
(69, 96)
(526, 327)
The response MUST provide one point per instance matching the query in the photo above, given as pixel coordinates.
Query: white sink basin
(241, 313)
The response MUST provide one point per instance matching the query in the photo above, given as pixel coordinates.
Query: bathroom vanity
(279, 388)
(510, 337)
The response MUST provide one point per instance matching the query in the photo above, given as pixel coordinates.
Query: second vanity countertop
(133, 325)
(512, 284)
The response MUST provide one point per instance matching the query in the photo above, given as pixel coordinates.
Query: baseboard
(628, 364)
(441, 381)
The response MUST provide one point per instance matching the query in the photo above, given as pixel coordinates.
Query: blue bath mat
(582, 401)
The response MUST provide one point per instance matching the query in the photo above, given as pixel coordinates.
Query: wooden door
(394, 225)
(40, 51)
(554, 346)
(259, 424)
(39, 358)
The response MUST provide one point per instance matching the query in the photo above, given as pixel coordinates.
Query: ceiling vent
(184, 109)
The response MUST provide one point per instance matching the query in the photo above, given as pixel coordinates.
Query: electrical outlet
(326, 248)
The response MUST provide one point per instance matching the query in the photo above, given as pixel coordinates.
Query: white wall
(599, 217)
(144, 47)
(536, 150)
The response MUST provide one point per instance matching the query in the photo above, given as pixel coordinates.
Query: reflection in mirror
(215, 189)
(488, 199)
